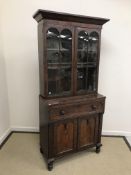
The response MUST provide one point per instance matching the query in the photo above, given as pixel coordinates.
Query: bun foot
(98, 147)
(98, 150)
(50, 166)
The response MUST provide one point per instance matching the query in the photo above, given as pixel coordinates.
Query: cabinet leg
(50, 165)
(98, 147)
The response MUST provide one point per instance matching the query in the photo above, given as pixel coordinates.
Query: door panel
(64, 137)
(87, 53)
(87, 130)
(59, 60)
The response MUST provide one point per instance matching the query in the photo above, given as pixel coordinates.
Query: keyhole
(65, 126)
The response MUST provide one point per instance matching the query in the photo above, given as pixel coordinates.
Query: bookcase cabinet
(71, 109)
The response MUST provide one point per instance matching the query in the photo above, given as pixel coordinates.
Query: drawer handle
(62, 112)
(94, 107)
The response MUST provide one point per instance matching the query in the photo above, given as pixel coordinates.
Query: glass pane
(53, 39)
(53, 81)
(91, 85)
(66, 46)
(53, 45)
(82, 46)
(65, 81)
(81, 78)
(59, 81)
(82, 58)
(59, 55)
(87, 53)
(93, 47)
(53, 56)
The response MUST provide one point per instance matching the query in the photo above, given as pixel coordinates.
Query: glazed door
(87, 130)
(59, 46)
(87, 60)
(63, 137)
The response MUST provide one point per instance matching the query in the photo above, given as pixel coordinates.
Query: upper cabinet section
(69, 52)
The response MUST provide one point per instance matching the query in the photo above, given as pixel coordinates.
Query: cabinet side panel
(96, 128)
(41, 56)
(43, 114)
(100, 127)
(98, 61)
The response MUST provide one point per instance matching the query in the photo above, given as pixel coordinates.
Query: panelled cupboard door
(59, 54)
(63, 138)
(87, 130)
(87, 59)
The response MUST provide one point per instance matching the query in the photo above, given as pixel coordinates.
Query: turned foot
(98, 147)
(50, 166)
(41, 151)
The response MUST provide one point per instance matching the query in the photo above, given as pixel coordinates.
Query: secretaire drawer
(59, 111)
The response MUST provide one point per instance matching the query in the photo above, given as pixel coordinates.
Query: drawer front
(61, 111)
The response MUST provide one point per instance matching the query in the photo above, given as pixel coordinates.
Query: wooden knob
(62, 112)
(57, 54)
(94, 107)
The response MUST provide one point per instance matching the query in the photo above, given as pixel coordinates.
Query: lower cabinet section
(66, 132)
(72, 135)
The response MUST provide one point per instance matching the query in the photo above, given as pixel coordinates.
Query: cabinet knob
(94, 107)
(57, 54)
(62, 112)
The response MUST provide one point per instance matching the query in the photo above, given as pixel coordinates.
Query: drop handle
(62, 112)
(94, 107)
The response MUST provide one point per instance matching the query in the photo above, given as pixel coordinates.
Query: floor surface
(20, 156)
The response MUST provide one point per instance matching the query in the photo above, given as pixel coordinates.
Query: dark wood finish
(74, 125)
(72, 23)
(65, 110)
(50, 165)
(87, 130)
(59, 28)
(43, 26)
(70, 118)
(63, 136)
(41, 60)
(89, 30)
(45, 14)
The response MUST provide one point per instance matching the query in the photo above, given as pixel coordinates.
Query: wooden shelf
(88, 64)
(59, 49)
(59, 65)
